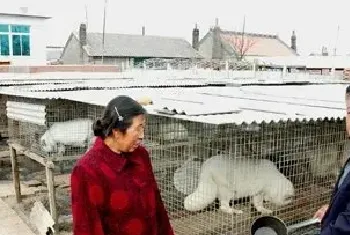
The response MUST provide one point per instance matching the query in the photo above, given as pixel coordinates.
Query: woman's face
(133, 136)
(347, 102)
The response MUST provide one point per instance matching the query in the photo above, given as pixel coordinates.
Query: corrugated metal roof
(307, 61)
(112, 84)
(219, 105)
(62, 75)
(29, 82)
(160, 76)
(73, 81)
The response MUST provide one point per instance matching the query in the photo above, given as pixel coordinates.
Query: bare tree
(241, 43)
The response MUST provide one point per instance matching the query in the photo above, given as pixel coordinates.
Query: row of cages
(214, 179)
(3, 117)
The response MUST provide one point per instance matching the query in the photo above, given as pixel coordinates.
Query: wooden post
(52, 194)
(15, 174)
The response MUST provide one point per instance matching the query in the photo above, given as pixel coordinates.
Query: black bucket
(270, 225)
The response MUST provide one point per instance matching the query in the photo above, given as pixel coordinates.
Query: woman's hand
(320, 213)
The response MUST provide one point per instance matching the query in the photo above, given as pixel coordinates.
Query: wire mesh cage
(215, 179)
(3, 117)
(49, 128)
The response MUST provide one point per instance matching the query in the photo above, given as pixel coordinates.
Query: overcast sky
(315, 22)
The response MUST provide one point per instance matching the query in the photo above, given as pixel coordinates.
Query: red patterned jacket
(116, 194)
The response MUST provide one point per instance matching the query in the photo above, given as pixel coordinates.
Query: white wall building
(23, 38)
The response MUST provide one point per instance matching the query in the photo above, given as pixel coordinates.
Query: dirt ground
(34, 173)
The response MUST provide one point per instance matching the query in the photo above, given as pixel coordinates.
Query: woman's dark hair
(347, 90)
(118, 115)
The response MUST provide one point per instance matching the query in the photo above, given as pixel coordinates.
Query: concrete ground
(11, 223)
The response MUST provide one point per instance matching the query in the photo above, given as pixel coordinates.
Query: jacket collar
(113, 160)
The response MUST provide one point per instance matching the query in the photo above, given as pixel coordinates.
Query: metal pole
(86, 16)
(335, 54)
(242, 42)
(103, 31)
(336, 42)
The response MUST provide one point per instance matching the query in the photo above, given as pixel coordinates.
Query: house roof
(126, 45)
(22, 14)
(257, 44)
(53, 53)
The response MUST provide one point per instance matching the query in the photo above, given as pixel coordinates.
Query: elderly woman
(114, 191)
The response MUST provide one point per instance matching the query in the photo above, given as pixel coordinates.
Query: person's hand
(320, 213)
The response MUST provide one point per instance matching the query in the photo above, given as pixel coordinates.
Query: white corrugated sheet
(312, 62)
(23, 111)
(222, 104)
(150, 75)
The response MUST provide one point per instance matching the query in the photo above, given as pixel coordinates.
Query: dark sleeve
(163, 223)
(86, 195)
(341, 225)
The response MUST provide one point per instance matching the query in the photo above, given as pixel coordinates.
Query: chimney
(324, 51)
(294, 44)
(23, 10)
(143, 30)
(195, 38)
(82, 34)
(216, 50)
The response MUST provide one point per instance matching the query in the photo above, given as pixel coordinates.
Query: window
(4, 45)
(20, 29)
(25, 45)
(4, 28)
(4, 40)
(16, 44)
(16, 35)
(20, 40)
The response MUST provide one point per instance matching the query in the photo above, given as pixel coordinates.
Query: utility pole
(336, 42)
(86, 16)
(103, 31)
(242, 41)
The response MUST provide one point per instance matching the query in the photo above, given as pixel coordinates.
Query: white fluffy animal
(227, 178)
(76, 133)
(173, 131)
(186, 177)
(41, 218)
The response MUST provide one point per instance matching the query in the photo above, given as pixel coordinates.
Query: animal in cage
(186, 177)
(173, 131)
(29, 119)
(74, 133)
(226, 178)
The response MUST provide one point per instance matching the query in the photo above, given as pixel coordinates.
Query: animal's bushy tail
(205, 193)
